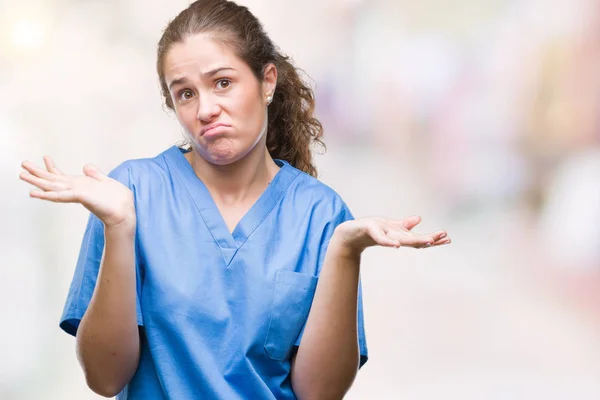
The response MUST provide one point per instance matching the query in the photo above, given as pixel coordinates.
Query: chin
(222, 153)
(222, 161)
(221, 156)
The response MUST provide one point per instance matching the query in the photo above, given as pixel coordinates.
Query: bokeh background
(483, 116)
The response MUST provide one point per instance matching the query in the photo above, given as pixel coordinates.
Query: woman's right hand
(108, 199)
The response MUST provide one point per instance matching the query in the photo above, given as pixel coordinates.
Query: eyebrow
(207, 74)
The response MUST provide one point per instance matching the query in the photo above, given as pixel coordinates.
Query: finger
(410, 240)
(439, 235)
(36, 171)
(39, 182)
(380, 237)
(64, 196)
(93, 172)
(434, 237)
(407, 223)
(411, 222)
(50, 166)
(443, 242)
(425, 243)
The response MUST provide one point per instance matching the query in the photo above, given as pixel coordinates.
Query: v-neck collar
(230, 242)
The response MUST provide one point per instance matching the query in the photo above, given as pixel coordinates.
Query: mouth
(214, 129)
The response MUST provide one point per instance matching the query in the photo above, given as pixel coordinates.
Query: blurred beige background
(481, 116)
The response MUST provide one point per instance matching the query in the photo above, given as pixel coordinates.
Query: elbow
(323, 388)
(106, 381)
(106, 374)
(104, 389)
(105, 386)
(321, 394)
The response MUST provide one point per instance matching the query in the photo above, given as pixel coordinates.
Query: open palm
(366, 232)
(110, 200)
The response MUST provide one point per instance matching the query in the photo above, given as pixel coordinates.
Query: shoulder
(134, 171)
(317, 190)
(320, 197)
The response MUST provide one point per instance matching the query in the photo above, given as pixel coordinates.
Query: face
(217, 99)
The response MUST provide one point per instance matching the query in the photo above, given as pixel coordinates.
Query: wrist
(340, 248)
(125, 225)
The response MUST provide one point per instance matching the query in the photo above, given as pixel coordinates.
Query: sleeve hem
(70, 321)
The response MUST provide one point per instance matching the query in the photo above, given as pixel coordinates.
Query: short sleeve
(87, 267)
(343, 215)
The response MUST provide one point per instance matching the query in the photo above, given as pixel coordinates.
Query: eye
(185, 95)
(223, 84)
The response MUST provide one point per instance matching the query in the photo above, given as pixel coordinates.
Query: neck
(241, 181)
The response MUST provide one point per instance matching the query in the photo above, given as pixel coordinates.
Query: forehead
(200, 53)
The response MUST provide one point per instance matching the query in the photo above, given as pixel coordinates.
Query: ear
(269, 81)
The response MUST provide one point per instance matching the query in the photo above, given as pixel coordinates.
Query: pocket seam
(278, 285)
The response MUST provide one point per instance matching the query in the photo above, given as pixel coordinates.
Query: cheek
(250, 115)
(246, 104)
(186, 117)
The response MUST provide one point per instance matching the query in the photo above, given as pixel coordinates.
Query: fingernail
(443, 235)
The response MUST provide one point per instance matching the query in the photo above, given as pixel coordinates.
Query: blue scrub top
(222, 312)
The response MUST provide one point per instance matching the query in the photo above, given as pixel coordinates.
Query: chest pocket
(293, 295)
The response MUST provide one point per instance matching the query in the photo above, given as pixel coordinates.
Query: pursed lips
(212, 127)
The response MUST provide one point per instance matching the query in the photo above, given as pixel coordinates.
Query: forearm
(327, 359)
(108, 345)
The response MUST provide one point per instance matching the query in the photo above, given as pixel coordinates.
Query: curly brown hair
(292, 126)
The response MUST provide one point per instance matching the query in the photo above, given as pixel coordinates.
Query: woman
(223, 271)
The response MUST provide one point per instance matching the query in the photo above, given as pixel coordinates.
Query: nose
(208, 108)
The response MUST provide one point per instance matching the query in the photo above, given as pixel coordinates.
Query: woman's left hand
(356, 235)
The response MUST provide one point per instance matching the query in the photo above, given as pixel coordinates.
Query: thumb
(411, 222)
(93, 172)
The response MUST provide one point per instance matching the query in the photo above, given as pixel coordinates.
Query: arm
(108, 346)
(108, 343)
(327, 360)
(328, 357)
